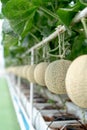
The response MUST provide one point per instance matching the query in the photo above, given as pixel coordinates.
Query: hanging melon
(24, 70)
(55, 76)
(76, 81)
(19, 71)
(16, 70)
(11, 70)
(30, 73)
(39, 73)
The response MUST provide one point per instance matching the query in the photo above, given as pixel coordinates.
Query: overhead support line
(80, 15)
(60, 29)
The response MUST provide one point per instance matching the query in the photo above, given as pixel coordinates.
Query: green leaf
(84, 2)
(9, 40)
(37, 2)
(1, 16)
(6, 52)
(6, 28)
(16, 51)
(67, 14)
(20, 14)
(28, 25)
(40, 2)
(79, 46)
(4, 1)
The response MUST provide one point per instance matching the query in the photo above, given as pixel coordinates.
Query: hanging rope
(61, 46)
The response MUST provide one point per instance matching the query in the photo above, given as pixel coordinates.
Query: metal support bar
(60, 29)
(18, 81)
(19, 85)
(31, 90)
(80, 15)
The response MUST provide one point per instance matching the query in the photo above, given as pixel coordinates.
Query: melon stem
(84, 26)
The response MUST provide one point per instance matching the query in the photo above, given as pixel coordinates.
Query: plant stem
(53, 50)
(37, 40)
(49, 12)
(84, 26)
(56, 56)
(37, 28)
(60, 53)
(63, 44)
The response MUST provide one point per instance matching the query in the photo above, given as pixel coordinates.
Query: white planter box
(72, 108)
(40, 124)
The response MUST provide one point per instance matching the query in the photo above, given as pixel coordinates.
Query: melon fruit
(24, 71)
(76, 81)
(39, 73)
(30, 73)
(55, 76)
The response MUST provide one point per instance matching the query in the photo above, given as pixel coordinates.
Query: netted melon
(19, 71)
(55, 76)
(39, 73)
(24, 70)
(30, 73)
(11, 70)
(76, 81)
(16, 70)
